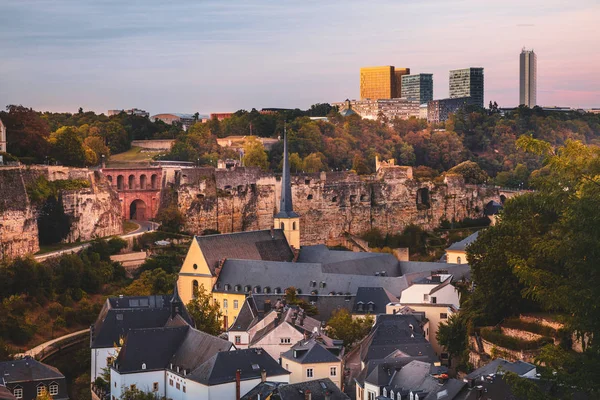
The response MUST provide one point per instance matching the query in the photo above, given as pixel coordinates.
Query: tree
(171, 219)
(453, 336)
(295, 162)
(152, 282)
(96, 144)
(137, 394)
(254, 153)
(205, 312)
(471, 171)
(67, 146)
(312, 163)
(342, 326)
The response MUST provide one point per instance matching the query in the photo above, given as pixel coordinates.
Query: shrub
(116, 245)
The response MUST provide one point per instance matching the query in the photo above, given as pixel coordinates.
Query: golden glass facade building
(377, 82)
(398, 74)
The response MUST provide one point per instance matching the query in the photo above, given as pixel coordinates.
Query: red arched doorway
(137, 210)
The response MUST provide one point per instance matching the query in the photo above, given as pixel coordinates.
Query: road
(40, 348)
(144, 226)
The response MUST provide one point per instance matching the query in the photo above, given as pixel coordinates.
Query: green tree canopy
(342, 326)
(254, 153)
(205, 312)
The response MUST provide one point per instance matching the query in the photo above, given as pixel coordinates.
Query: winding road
(144, 226)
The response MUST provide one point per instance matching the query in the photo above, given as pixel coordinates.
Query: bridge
(138, 189)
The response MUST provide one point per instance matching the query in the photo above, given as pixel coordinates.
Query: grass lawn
(129, 226)
(132, 156)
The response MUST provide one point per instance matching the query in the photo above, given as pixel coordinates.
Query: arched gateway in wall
(137, 210)
(138, 189)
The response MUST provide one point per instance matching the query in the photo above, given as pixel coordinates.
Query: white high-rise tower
(528, 78)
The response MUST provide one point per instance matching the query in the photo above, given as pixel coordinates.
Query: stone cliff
(93, 212)
(329, 203)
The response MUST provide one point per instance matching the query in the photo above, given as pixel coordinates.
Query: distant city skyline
(213, 56)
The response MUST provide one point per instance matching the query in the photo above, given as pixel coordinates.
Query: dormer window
(247, 288)
(227, 286)
(41, 389)
(18, 392)
(360, 306)
(277, 290)
(267, 290)
(256, 289)
(238, 288)
(313, 283)
(322, 284)
(370, 307)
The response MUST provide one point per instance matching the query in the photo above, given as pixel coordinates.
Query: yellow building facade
(377, 82)
(398, 73)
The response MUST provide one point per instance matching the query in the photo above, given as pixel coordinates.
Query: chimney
(307, 395)
(238, 377)
(272, 233)
(263, 375)
(328, 395)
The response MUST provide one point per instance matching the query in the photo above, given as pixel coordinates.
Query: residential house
(487, 382)
(457, 252)
(315, 358)
(121, 314)
(404, 379)
(28, 378)
(319, 389)
(372, 301)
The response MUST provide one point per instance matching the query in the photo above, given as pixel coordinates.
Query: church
(234, 265)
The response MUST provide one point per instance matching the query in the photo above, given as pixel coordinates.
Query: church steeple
(287, 219)
(285, 203)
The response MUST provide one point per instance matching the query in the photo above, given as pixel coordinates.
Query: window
(177, 386)
(170, 382)
(194, 288)
(309, 372)
(155, 387)
(115, 384)
(184, 389)
(433, 300)
(282, 226)
(285, 340)
(53, 389)
(41, 389)
(371, 395)
(18, 392)
(425, 297)
(293, 226)
(332, 371)
(109, 361)
(458, 260)
(133, 387)
(235, 304)
(224, 303)
(443, 315)
(238, 340)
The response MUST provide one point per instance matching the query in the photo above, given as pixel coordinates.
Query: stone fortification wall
(94, 211)
(329, 204)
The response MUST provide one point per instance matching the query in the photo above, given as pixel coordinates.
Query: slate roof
(221, 368)
(318, 389)
(349, 262)
(310, 352)
(27, 369)
(250, 245)
(307, 277)
(262, 391)
(518, 367)
(373, 300)
(157, 348)
(393, 333)
(247, 317)
(462, 245)
(292, 316)
(121, 314)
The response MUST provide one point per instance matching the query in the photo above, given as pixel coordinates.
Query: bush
(534, 327)
(116, 245)
(495, 336)
(8, 157)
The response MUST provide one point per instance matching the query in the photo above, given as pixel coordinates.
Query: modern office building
(528, 78)
(417, 87)
(398, 74)
(439, 110)
(2, 137)
(467, 82)
(377, 82)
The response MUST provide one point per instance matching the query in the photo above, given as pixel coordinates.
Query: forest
(484, 138)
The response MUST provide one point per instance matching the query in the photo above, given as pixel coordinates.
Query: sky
(219, 56)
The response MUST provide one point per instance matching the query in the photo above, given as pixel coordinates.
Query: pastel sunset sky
(211, 56)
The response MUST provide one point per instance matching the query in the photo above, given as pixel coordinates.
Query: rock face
(329, 204)
(94, 212)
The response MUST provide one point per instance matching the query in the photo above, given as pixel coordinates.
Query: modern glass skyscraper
(467, 82)
(528, 78)
(377, 82)
(418, 87)
(398, 74)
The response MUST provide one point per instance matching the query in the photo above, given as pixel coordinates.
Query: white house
(435, 289)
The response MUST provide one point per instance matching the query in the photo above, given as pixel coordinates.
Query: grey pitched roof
(393, 333)
(318, 388)
(119, 315)
(247, 316)
(518, 367)
(326, 305)
(221, 368)
(462, 245)
(310, 352)
(250, 245)
(307, 277)
(373, 300)
(285, 204)
(449, 390)
(27, 369)
(149, 349)
(293, 316)
(349, 262)
(196, 348)
(262, 391)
